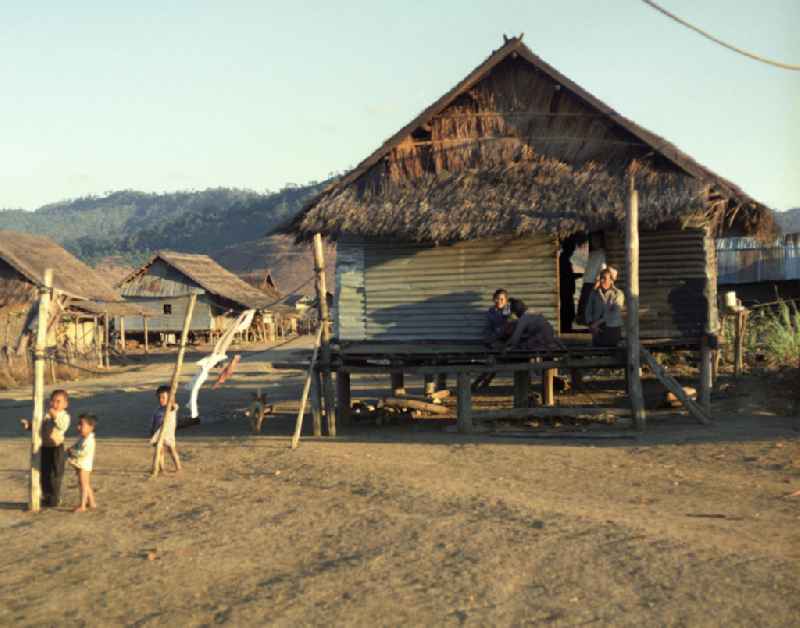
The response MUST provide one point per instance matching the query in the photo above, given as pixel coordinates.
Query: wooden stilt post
(441, 381)
(706, 367)
(312, 367)
(548, 387)
(324, 321)
(398, 384)
(343, 397)
(316, 402)
(35, 494)
(107, 340)
(464, 403)
(430, 385)
(632, 302)
(122, 334)
(169, 413)
(522, 385)
(146, 334)
(98, 343)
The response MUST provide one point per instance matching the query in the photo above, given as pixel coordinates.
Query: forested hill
(789, 220)
(131, 224)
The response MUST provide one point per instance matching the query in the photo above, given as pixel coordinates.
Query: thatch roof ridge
(31, 254)
(514, 46)
(209, 275)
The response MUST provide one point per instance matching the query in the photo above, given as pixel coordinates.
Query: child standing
(81, 457)
(162, 394)
(54, 428)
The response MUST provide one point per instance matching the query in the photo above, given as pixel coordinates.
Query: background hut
(481, 189)
(163, 283)
(83, 299)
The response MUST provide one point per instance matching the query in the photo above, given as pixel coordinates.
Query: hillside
(129, 225)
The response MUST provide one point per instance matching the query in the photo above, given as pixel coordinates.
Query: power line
(672, 16)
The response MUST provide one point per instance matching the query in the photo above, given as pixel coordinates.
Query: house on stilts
(481, 190)
(165, 281)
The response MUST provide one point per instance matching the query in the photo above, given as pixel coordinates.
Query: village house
(166, 279)
(485, 187)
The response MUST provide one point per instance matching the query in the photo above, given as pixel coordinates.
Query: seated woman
(604, 311)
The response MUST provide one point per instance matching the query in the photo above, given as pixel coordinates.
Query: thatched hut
(478, 191)
(165, 280)
(83, 297)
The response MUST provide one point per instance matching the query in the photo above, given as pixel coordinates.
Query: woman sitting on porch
(604, 311)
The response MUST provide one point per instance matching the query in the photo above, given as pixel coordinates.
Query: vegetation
(130, 224)
(775, 331)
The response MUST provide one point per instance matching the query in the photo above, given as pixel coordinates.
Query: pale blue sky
(163, 96)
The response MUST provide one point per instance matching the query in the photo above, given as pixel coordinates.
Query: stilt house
(164, 282)
(478, 191)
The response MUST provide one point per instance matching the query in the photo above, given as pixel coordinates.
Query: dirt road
(401, 526)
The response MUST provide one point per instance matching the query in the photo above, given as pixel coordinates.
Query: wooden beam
(414, 404)
(632, 297)
(430, 385)
(464, 403)
(122, 342)
(107, 340)
(565, 411)
(35, 492)
(706, 376)
(548, 386)
(169, 413)
(343, 398)
(671, 384)
(472, 369)
(316, 402)
(324, 321)
(298, 425)
(522, 388)
(146, 334)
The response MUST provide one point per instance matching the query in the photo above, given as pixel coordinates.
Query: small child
(81, 457)
(54, 428)
(162, 394)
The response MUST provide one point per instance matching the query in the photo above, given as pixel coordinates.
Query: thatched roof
(210, 276)
(30, 255)
(517, 148)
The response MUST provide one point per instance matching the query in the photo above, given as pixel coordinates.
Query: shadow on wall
(454, 316)
(688, 306)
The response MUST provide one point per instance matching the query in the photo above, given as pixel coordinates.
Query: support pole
(632, 298)
(316, 402)
(464, 403)
(430, 385)
(107, 340)
(169, 413)
(441, 381)
(298, 425)
(343, 397)
(122, 334)
(398, 384)
(522, 384)
(324, 321)
(35, 495)
(548, 387)
(98, 343)
(706, 375)
(146, 340)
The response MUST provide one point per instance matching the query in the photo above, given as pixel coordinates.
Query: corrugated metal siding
(350, 312)
(202, 316)
(675, 291)
(746, 261)
(418, 292)
(160, 280)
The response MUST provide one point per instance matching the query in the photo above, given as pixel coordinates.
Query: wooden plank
(541, 411)
(674, 387)
(414, 404)
(632, 319)
(465, 425)
(35, 492)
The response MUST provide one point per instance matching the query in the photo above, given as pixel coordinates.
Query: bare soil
(404, 525)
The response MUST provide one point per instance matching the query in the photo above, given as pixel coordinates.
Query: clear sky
(160, 96)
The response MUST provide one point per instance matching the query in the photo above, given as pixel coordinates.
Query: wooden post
(706, 375)
(316, 402)
(672, 385)
(122, 334)
(98, 345)
(343, 397)
(76, 322)
(741, 323)
(441, 381)
(632, 299)
(522, 385)
(398, 384)
(324, 322)
(430, 385)
(169, 413)
(298, 426)
(548, 387)
(107, 339)
(464, 403)
(146, 333)
(35, 494)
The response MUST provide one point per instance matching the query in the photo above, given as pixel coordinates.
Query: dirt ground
(403, 525)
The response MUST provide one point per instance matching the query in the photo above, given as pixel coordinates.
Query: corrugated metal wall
(741, 260)
(677, 282)
(398, 291)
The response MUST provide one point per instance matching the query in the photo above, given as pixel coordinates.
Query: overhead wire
(716, 40)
